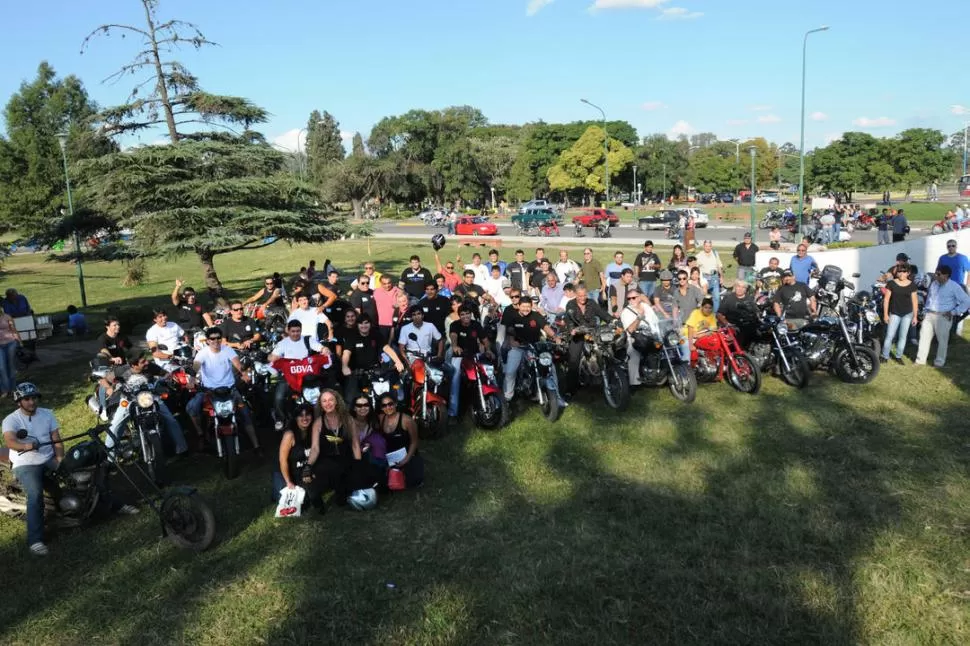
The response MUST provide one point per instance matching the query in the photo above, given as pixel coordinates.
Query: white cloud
(737, 122)
(650, 106)
(818, 116)
(769, 118)
(959, 110)
(292, 140)
(760, 108)
(678, 13)
(599, 5)
(877, 122)
(832, 136)
(535, 5)
(346, 135)
(681, 128)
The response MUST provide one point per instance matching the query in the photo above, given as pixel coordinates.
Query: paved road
(719, 233)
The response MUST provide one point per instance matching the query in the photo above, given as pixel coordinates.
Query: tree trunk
(217, 294)
(358, 208)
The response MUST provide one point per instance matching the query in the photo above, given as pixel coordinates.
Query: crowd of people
(342, 324)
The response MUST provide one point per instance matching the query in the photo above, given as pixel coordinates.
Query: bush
(135, 272)
(849, 245)
(396, 213)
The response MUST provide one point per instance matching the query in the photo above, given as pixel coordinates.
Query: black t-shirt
(238, 331)
(470, 292)
(468, 337)
(117, 347)
(771, 278)
(794, 300)
(593, 315)
(436, 310)
(336, 311)
(526, 329)
(517, 273)
(738, 310)
(365, 351)
(666, 298)
(189, 317)
(745, 255)
(538, 278)
(364, 302)
(415, 280)
(900, 301)
(644, 264)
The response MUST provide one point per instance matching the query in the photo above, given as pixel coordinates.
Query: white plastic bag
(291, 502)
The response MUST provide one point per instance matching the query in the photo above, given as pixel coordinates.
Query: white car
(701, 219)
(534, 204)
(768, 198)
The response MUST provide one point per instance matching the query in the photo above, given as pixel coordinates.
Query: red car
(475, 227)
(589, 217)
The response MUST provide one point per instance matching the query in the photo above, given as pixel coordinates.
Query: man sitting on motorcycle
(794, 301)
(581, 312)
(295, 346)
(420, 338)
(215, 365)
(362, 351)
(523, 328)
(241, 332)
(739, 308)
(139, 371)
(636, 313)
(467, 339)
(700, 322)
(167, 334)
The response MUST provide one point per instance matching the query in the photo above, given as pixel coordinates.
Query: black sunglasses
(235, 309)
(388, 405)
(362, 405)
(214, 338)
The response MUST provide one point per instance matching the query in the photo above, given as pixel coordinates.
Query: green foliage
(582, 165)
(918, 157)
(324, 145)
(656, 154)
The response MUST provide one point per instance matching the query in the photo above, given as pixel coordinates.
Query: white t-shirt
(170, 336)
(628, 316)
(427, 335)
(39, 426)
(493, 287)
(309, 318)
(567, 271)
(289, 349)
(481, 272)
(215, 369)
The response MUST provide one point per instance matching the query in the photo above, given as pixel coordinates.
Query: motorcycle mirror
(22, 434)
(413, 336)
(856, 275)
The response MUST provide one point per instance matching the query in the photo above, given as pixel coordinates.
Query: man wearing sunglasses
(272, 297)
(240, 331)
(362, 351)
(216, 366)
(581, 312)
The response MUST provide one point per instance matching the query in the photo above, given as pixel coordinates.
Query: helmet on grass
(363, 499)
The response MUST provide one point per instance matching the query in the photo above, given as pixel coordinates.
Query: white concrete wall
(869, 262)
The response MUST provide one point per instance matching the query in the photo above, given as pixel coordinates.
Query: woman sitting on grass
(298, 457)
(368, 443)
(401, 435)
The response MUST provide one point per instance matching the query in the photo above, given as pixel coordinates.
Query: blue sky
(732, 68)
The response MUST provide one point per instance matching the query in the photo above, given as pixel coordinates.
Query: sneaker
(39, 549)
(898, 360)
(128, 510)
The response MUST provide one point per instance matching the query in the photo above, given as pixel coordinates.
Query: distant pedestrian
(882, 227)
(900, 226)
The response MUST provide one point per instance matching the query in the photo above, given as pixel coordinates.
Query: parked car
(768, 197)
(475, 226)
(536, 216)
(430, 213)
(658, 219)
(707, 198)
(534, 204)
(701, 219)
(725, 198)
(589, 217)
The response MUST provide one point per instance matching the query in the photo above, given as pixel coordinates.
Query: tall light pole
(634, 188)
(965, 125)
(606, 148)
(754, 153)
(62, 141)
(665, 183)
(801, 146)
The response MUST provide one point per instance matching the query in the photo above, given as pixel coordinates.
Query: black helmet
(26, 389)
(437, 241)
(862, 296)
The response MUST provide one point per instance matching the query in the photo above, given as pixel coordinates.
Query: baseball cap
(787, 272)
(747, 235)
(901, 256)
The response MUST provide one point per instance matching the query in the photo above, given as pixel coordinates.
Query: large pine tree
(324, 145)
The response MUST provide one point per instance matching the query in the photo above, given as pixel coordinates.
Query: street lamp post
(665, 183)
(606, 148)
(634, 189)
(62, 141)
(754, 153)
(965, 125)
(801, 146)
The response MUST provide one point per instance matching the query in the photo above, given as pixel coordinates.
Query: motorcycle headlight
(872, 318)
(262, 369)
(782, 328)
(311, 395)
(223, 408)
(606, 336)
(851, 327)
(145, 399)
(382, 387)
(672, 338)
(545, 359)
(435, 374)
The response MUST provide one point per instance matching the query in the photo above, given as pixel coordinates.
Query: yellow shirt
(700, 322)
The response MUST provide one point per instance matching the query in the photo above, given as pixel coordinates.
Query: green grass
(835, 515)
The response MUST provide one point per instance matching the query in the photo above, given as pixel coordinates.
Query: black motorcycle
(82, 479)
(863, 313)
(535, 380)
(773, 348)
(141, 401)
(263, 378)
(661, 363)
(220, 410)
(603, 363)
(827, 341)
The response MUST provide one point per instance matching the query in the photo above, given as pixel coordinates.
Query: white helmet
(363, 499)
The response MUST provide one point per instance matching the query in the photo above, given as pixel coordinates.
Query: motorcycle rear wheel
(864, 372)
(683, 384)
(188, 521)
(616, 387)
(748, 378)
(936, 230)
(155, 463)
(495, 415)
(230, 459)
(799, 373)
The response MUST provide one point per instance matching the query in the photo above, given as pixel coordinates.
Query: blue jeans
(897, 329)
(454, 365)
(8, 367)
(32, 479)
(836, 230)
(594, 295)
(169, 423)
(648, 287)
(714, 287)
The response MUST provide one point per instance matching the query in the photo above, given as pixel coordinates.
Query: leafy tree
(659, 159)
(324, 145)
(841, 166)
(360, 177)
(703, 140)
(712, 170)
(582, 165)
(357, 148)
(493, 158)
(32, 190)
(918, 157)
(208, 192)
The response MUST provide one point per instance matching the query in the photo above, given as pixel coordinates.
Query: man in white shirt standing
(711, 268)
(567, 270)
(944, 301)
(310, 318)
(167, 334)
(216, 366)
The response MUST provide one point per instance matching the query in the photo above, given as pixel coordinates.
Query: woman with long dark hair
(297, 457)
(401, 434)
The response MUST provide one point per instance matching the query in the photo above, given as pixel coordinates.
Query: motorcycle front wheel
(437, 422)
(798, 374)
(155, 459)
(683, 384)
(866, 365)
(747, 377)
(188, 521)
(230, 458)
(495, 415)
(550, 409)
(616, 387)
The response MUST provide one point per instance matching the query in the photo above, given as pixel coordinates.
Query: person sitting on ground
(16, 304)
(77, 325)
(336, 470)
(368, 441)
(297, 458)
(401, 435)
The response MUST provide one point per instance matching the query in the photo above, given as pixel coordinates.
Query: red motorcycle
(489, 407)
(718, 353)
(941, 226)
(426, 406)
